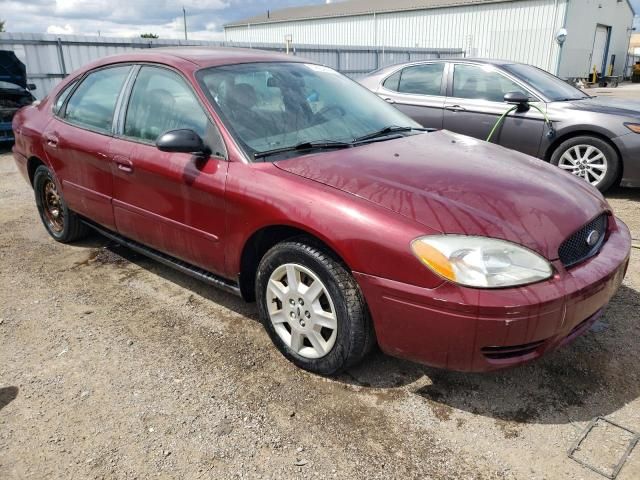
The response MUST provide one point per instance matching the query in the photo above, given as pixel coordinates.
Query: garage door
(598, 55)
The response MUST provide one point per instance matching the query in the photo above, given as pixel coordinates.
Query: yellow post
(595, 75)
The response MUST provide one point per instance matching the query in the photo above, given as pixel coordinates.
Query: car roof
(480, 61)
(195, 58)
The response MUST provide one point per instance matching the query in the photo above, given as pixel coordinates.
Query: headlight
(480, 261)
(634, 127)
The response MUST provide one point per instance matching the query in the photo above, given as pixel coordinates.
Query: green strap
(499, 121)
(502, 117)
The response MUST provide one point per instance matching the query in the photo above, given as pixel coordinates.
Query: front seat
(158, 115)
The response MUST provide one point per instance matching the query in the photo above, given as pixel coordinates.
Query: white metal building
(598, 31)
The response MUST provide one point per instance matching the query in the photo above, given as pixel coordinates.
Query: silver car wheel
(585, 161)
(301, 310)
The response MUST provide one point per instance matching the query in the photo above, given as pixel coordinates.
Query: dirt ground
(113, 366)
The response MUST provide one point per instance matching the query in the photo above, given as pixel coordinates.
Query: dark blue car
(14, 91)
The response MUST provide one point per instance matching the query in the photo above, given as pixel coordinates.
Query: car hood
(615, 106)
(12, 70)
(459, 185)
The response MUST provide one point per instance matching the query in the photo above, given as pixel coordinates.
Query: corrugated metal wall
(520, 31)
(582, 20)
(50, 58)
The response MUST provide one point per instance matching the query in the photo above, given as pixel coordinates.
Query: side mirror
(31, 86)
(182, 141)
(517, 98)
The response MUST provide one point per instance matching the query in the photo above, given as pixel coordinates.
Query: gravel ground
(113, 366)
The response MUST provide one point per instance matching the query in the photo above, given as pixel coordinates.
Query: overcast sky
(133, 17)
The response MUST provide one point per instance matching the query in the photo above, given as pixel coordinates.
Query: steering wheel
(330, 108)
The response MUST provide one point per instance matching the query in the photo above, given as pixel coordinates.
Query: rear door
(172, 202)
(78, 138)
(418, 91)
(475, 102)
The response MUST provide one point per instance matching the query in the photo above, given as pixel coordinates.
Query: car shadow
(5, 147)
(587, 378)
(7, 395)
(121, 255)
(624, 193)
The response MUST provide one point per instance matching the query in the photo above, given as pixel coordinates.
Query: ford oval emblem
(593, 238)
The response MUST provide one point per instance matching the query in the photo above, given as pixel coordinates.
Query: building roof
(352, 7)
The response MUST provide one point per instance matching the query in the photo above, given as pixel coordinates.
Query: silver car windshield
(280, 105)
(551, 86)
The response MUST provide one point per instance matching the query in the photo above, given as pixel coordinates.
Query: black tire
(67, 226)
(355, 335)
(611, 157)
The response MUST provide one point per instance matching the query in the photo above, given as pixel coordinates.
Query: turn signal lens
(480, 262)
(634, 127)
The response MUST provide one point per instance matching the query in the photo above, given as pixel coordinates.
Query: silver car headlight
(481, 262)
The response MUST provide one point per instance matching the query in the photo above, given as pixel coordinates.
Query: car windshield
(551, 86)
(282, 105)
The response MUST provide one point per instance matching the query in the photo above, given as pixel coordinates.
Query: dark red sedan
(285, 182)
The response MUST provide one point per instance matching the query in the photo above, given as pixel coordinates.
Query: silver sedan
(595, 138)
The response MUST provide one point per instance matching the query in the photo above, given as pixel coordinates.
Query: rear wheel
(312, 308)
(589, 158)
(61, 223)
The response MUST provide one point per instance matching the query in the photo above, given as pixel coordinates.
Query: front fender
(369, 238)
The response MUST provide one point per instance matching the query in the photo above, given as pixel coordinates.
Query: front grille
(511, 351)
(576, 248)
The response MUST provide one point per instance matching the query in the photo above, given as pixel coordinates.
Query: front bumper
(629, 147)
(468, 329)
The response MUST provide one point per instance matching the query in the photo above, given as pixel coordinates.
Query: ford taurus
(285, 182)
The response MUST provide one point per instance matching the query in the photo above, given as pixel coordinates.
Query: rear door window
(417, 80)
(94, 101)
(422, 79)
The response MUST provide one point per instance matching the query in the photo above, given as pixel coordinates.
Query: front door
(77, 142)
(476, 102)
(417, 91)
(173, 202)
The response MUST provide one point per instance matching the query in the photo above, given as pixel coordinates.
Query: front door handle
(124, 164)
(455, 108)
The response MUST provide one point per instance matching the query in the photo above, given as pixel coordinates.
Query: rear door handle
(389, 100)
(52, 140)
(455, 108)
(124, 164)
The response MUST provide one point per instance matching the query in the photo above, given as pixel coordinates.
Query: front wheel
(61, 223)
(590, 158)
(312, 308)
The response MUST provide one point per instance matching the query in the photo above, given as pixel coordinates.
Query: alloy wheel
(301, 310)
(585, 161)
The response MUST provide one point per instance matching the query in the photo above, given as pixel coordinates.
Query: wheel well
(259, 243)
(556, 143)
(32, 164)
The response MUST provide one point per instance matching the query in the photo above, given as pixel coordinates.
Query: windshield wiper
(314, 145)
(386, 131)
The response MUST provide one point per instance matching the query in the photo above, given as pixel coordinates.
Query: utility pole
(184, 17)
